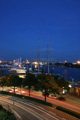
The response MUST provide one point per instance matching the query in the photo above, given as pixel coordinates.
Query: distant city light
(74, 63)
(70, 85)
(20, 66)
(27, 62)
(65, 61)
(78, 62)
(0, 61)
(35, 63)
(36, 66)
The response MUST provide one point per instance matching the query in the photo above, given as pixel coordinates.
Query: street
(27, 110)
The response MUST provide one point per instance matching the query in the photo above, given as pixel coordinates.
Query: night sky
(25, 24)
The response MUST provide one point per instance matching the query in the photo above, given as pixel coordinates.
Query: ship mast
(48, 53)
(38, 56)
(31, 59)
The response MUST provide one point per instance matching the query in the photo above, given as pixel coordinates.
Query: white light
(0, 61)
(65, 61)
(70, 86)
(63, 92)
(78, 62)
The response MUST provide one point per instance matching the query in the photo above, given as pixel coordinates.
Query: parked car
(61, 98)
(53, 96)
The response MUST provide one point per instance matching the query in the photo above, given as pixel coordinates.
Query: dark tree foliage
(30, 80)
(47, 85)
(14, 80)
(4, 80)
(62, 83)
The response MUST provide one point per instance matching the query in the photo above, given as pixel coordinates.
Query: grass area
(6, 115)
(73, 113)
(28, 98)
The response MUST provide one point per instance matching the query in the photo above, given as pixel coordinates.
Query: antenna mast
(48, 52)
(38, 56)
(31, 59)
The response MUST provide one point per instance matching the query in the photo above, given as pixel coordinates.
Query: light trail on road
(59, 103)
(53, 101)
(31, 110)
(28, 110)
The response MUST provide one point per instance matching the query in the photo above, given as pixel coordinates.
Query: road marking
(16, 113)
(13, 110)
(40, 110)
(28, 110)
(40, 107)
(63, 119)
(52, 113)
(35, 108)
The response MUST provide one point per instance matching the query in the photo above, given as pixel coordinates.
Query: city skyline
(25, 24)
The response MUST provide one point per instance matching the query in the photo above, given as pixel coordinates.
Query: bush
(4, 92)
(71, 112)
(3, 115)
(6, 115)
(1, 107)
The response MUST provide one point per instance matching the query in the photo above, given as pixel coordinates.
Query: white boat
(21, 72)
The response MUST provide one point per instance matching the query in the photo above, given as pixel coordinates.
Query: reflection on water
(71, 74)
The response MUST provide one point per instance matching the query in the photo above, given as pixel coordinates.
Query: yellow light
(19, 65)
(27, 62)
(78, 62)
(36, 63)
(36, 66)
(0, 61)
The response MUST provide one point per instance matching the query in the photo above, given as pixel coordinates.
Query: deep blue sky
(25, 22)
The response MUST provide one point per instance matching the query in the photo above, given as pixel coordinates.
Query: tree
(62, 83)
(47, 85)
(30, 80)
(15, 81)
(4, 80)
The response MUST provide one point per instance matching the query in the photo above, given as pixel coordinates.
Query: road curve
(59, 103)
(26, 110)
